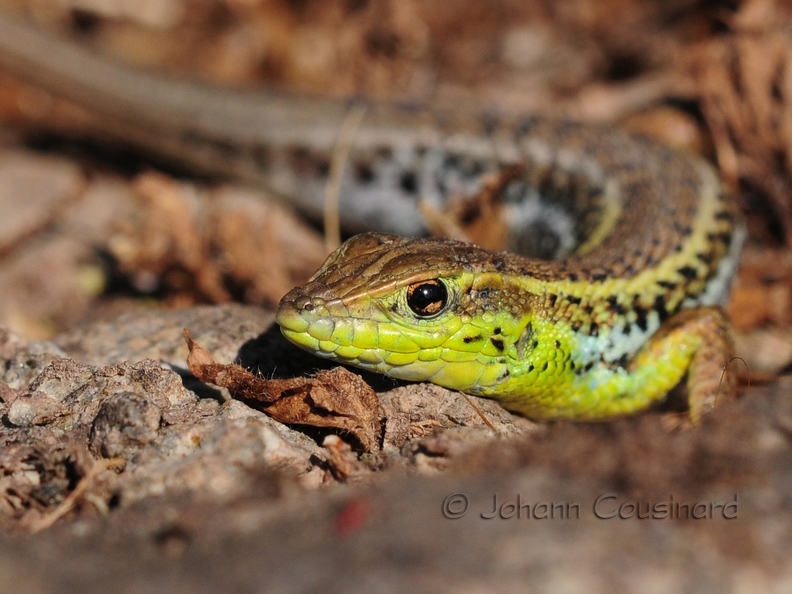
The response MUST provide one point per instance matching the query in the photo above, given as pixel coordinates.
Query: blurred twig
(332, 223)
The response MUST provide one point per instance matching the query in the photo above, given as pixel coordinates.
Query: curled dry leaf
(211, 246)
(334, 398)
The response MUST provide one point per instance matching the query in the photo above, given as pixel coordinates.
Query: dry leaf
(335, 398)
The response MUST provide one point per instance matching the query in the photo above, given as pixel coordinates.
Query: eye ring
(427, 298)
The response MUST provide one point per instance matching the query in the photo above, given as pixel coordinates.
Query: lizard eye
(427, 298)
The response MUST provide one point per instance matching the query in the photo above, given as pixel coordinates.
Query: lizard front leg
(698, 343)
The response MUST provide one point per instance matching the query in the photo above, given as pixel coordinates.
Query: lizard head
(426, 310)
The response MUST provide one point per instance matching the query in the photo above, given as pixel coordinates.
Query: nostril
(308, 307)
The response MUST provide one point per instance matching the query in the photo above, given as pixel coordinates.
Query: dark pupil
(427, 298)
